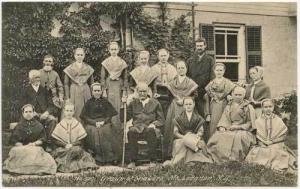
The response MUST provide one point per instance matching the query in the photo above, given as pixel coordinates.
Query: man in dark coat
(40, 98)
(147, 117)
(200, 69)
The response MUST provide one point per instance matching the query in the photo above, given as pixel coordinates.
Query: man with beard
(200, 69)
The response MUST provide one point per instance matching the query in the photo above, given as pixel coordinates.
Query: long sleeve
(43, 135)
(155, 86)
(125, 81)
(67, 87)
(51, 108)
(160, 118)
(200, 131)
(16, 135)
(91, 80)
(103, 76)
(59, 86)
(224, 121)
(129, 113)
(212, 73)
(58, 143)
(84, 115)
(61, 144)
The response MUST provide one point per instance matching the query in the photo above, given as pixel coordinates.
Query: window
(236, 45)
(226, 49)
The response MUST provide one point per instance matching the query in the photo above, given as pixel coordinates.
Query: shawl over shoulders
(114, 66)
(139, 76)
(277, 128)
(184, 125)
(261, 91)
(171, 71)
(185, 88)
(244, 113)
(79, 76)
(227, 85)
(69, 134)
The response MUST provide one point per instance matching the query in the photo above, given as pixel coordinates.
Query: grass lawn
(229, 174)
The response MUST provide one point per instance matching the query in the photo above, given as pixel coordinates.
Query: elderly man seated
(147, 116)
(40, 98)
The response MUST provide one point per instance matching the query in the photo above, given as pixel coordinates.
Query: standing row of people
(159, 92)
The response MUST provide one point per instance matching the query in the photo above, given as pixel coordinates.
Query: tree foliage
(27, 37)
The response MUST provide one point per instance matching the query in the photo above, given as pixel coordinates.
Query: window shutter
(207, 32)
(253, 45)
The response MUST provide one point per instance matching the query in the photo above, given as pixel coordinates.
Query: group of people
(202, 116)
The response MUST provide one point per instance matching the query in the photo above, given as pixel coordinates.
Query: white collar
(144, 102)
(255, 82)
(181, 78)
(36, 88)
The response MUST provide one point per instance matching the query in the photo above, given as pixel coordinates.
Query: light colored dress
(276, 155)
(115, 82)
(29, 159)
(79, 91)
(75, 158)
(217, 93)
(178, 89)
(190, 148)
(233, 145)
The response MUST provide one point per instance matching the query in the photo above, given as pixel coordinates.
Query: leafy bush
(27, 39)
(286, 106)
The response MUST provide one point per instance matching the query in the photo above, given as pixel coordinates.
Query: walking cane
(124, 134)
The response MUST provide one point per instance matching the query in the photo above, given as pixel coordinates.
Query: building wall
(279, 33)
(279, 38)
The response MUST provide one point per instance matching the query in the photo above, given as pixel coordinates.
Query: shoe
(131, 165)
(152, 164)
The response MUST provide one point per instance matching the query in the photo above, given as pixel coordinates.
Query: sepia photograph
(123, 94)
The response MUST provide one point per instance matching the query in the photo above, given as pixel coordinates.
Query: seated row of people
(234, 139)
(231, 142)
(28, 156)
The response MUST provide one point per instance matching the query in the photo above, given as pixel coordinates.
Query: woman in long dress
(166, 72)
(189, 145)
(68, 135)
(258, 90)
(114, 80)
(233, 138)
(96, 115)
(181, 86)
(217, 90)
(28, 155)
(270, 149)
(76, 81)
(114, 77)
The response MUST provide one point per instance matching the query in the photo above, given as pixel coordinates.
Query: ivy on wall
(27, 37)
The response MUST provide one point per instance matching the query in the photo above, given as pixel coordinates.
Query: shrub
(286, 106)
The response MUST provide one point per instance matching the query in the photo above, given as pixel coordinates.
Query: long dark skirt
(165, 98)
(73, 159)
(101, 142)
